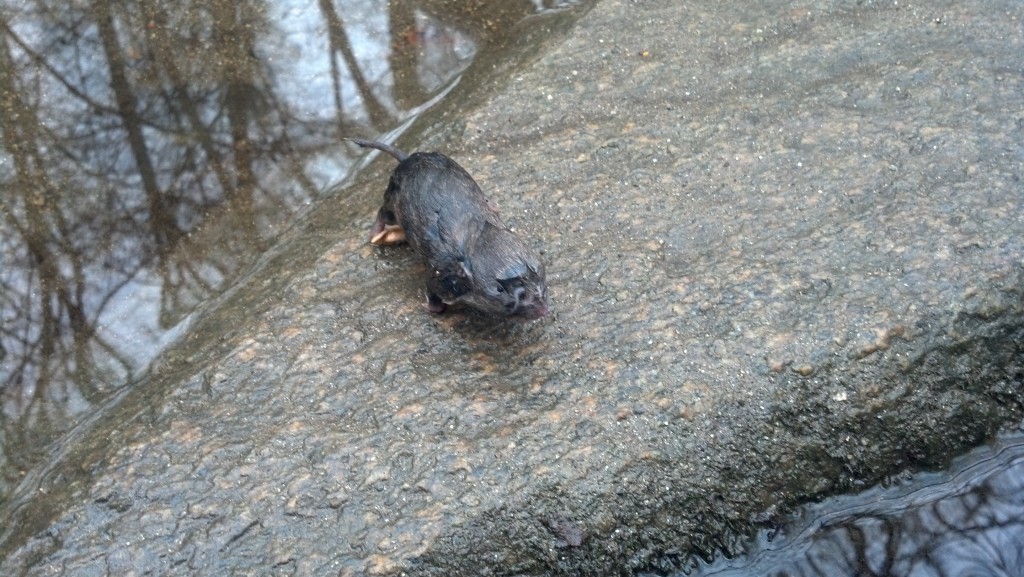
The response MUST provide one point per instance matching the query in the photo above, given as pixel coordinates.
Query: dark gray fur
(474, 258)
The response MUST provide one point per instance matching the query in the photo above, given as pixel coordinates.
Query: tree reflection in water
(150, 150)
(965, 523)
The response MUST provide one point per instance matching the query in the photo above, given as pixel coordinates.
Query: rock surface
(784, 246)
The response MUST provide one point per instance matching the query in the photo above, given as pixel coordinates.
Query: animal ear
(456, 279)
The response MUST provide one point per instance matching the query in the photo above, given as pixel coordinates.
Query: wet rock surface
(785, 258)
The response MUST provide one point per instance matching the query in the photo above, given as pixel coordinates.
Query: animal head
(501, 276)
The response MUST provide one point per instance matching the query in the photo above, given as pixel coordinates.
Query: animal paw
(387, 234)
(434, 304)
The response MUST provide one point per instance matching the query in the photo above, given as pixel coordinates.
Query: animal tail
(398, 154)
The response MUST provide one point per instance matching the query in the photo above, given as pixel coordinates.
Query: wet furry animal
(433, 204)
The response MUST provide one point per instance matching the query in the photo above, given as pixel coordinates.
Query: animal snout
(531, 304)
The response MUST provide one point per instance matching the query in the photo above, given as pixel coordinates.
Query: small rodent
(432, 203)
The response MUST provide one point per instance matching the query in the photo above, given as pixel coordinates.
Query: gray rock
(784, 246)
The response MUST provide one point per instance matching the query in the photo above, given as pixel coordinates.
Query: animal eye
(501, 289)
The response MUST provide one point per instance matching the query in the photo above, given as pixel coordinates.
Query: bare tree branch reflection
(969, 525)
(116, 156)
(48, 257)
(338, 43)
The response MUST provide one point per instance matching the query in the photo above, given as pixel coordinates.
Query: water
(151, 151)
(967, 521)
